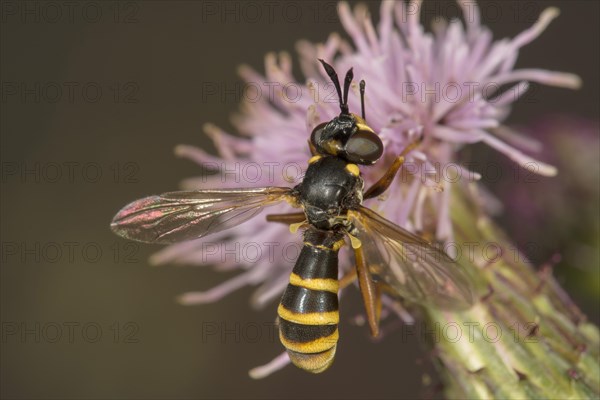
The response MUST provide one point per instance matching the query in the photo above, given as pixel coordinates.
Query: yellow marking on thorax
(336, 246)
(314, 159)
(364, 127)
(292, 201)
(353, 169)
(326, 284)
(324, 318)
(294, 227)
(315, 346)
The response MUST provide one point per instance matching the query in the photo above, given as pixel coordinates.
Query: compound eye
(364, 147)
(315, 137)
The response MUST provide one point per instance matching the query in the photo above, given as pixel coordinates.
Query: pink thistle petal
(217, 292)
(511, 95)
(472, 16)
(520, 158)
(409, 202)
(450, 134)
(269, 291)
(386, 24)
(176, 251)
(351, 24)
(536, 30)
(397, 52)
(197, 155)
(559, 79)
(227, 145)
(273, 366)
(474, 123)
(517, 139)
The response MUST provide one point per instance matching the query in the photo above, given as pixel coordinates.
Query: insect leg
(348, 278)
(386, 180)
(292, 218)
(370, 291)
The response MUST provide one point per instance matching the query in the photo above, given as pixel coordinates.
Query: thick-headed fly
(388, 257)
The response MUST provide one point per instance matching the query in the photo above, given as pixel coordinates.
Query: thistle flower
(452, 86)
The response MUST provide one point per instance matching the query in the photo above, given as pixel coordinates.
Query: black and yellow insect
(330, 195)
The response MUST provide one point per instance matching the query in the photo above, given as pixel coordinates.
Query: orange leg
(386, 180)
(371, 293)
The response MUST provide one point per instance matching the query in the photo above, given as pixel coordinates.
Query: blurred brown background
(129, 76)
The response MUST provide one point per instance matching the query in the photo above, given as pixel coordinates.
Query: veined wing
(410, 265)
(178, 216)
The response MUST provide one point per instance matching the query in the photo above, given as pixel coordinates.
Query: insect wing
(178, 216)
(410, 265)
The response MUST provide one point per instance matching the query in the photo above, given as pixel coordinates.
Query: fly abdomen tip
(314, 363)
(310, 347)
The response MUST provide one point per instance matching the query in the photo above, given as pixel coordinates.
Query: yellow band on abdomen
(324, 318)
(328, 285)
(314, 346)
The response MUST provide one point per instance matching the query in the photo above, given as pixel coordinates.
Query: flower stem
(524, 338)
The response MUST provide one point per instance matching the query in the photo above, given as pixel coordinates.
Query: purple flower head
(453, 86)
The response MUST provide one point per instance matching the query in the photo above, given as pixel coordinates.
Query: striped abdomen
(308, 312)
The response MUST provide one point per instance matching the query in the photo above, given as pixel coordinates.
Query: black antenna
(347, 82)
(334, 78)
(362, 98)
